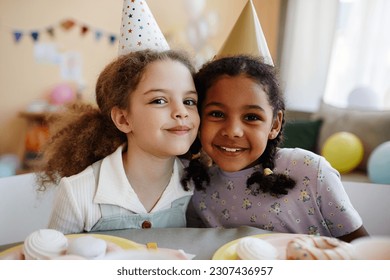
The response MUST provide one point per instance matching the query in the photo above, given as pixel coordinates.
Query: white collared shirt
(76, 207)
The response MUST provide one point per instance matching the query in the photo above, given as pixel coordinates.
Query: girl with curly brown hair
(117, 164)
(252, 181)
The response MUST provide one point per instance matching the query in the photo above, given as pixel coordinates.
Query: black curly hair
(265, 75)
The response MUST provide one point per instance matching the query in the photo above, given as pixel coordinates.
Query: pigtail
(275, 184)
(80, 136)
(268, 181)
(196, 171)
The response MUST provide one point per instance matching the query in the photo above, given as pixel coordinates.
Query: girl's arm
(360, 232)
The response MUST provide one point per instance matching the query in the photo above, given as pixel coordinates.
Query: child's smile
(237, 122)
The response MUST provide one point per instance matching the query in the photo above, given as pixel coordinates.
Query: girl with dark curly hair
(117, 164)
(251, 181)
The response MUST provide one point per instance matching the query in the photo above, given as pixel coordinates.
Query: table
(202, 242)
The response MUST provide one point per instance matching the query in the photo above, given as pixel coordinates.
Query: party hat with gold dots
(139, 29)
(247, 36)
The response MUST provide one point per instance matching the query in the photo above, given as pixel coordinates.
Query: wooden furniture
(36, 136)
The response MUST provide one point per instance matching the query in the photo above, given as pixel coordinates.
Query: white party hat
(247, 36)
(139, 29)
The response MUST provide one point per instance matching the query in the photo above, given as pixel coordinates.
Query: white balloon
(363, 97)
(193, 37)
(212, 18)
(203, 29)
(194, 8)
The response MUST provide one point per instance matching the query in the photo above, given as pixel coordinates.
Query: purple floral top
(317, 205)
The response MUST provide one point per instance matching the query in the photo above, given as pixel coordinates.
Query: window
(359, 71)
(337, 51)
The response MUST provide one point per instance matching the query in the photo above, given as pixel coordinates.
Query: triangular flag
(17, 35)
(50, 31)
(112, 39)
(247, 36)
(67, 24)
(84, 30)
(139, 29)
(35, 35)
(98, 35)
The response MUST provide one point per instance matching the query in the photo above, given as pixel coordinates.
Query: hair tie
(195, 156)
(267, 172)
(205, 159)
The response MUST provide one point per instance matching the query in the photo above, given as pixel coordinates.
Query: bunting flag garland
(66, 25)
(98, 35)
(84, 30)
(35, 35)
(17, 35)
(50, 31)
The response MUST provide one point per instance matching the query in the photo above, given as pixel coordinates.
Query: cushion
(372, 127)
(301, 134)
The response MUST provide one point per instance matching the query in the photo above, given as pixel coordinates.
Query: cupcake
(251, 248)
(44, 244)
(88, 247)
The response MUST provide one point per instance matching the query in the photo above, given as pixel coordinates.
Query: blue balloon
(6, 170)
(379, 164)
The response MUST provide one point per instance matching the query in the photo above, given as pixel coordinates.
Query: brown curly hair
(265, 75)
(83, 134)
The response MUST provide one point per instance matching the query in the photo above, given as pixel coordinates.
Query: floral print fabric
(318, 204)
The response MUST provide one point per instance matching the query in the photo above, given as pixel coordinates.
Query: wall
(24, 80)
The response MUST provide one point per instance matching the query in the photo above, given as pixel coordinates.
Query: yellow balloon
(344, 151)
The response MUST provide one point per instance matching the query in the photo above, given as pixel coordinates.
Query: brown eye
(216, 114)
(252, 117)
(158, 101)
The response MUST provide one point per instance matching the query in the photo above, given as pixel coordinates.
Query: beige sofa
(311, 130)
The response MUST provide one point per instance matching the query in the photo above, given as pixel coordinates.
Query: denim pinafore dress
(115, 217)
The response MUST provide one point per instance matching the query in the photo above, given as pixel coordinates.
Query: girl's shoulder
(80, 178)
(295, 153)
(296, 158)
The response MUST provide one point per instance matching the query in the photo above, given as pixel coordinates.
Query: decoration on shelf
(139, 29)
(62, 94)
(66, 25)
(247, 36)
(344, 151)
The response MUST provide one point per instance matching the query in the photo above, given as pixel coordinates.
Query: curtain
(359, 71)
(337, 51)
(306, 50)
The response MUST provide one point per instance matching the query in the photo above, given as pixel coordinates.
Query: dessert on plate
(312, 247)
(294, 247)
(252, 248)
(48, 244)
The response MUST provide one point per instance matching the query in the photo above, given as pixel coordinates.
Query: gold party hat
(247, 36)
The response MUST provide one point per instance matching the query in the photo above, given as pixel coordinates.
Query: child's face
(163, 117)
(236, 123)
